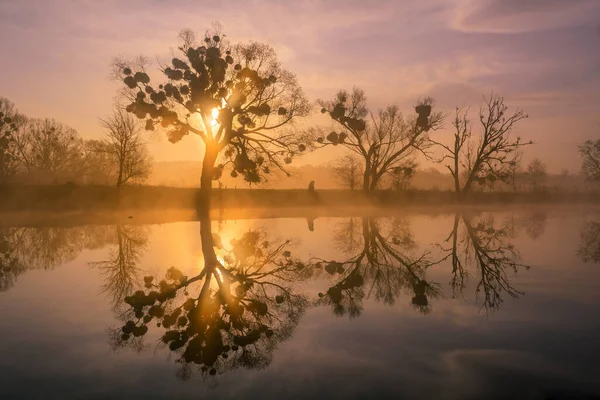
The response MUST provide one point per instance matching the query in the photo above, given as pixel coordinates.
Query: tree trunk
(366, 180)
(120, 176)
(208, 248)
(206, 178)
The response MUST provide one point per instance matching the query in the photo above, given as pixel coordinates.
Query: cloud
(518, 16)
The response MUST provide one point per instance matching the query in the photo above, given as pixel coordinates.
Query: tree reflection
(383, 264)
(535, 224)
(484, 247)
(120, 270)
(589, 249)
(232, 314)
(24, 249)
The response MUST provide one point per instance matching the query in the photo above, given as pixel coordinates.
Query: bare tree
(488, 156)
(482, 247)
(48, 151)
(402, 175)
(10, 122)
(235, 98)
(97, 167)
(385, 140)
(121, 270)
(536, 170)
(125, 148)
(514, 169)
(348, 171)
(590, 154)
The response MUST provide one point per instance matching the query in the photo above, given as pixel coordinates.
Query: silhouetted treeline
(42, 151)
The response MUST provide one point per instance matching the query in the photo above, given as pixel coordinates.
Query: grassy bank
(75, 197)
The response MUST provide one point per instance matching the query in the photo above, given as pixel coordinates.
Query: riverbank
(108, 198)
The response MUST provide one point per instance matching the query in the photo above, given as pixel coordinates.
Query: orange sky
(542, 55)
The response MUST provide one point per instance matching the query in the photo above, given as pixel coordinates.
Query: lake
(423, 304)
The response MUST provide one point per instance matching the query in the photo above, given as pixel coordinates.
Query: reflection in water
(120, 270)
(246, 300)
(230, 315)
(479, 243)
(534, 224)
(44, 248)
(589, 250)
(382, 265)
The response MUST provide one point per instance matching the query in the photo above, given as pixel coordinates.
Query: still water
(411, 305)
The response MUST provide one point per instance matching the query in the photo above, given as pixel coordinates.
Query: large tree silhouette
(384, 140)
(235, 98)
(487, 156)
(230, 315)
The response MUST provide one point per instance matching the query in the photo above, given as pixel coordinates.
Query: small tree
(348, 171)
(125, 148)
(486, 157)
(385, 140)
(10, 122)
(590, 154)
(537, 173)
(235, 98)
(402, 175)
(48, 150)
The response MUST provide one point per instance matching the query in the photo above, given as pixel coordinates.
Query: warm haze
(542, 55)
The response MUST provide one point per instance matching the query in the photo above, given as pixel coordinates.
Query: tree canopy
(236, 98)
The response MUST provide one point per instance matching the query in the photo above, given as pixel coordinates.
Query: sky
(541, 55)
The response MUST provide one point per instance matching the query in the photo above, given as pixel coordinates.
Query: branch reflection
(483, 245)
(230, 315)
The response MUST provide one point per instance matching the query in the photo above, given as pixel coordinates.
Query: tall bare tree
(348, 171)
(234, 98)
(125, 147)
(384, 139)
(537, 172)
(487, 156)
(590, 154)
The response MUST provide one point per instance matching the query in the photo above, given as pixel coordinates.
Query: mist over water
(500, 304)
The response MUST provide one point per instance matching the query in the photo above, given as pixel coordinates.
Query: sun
(215, 115)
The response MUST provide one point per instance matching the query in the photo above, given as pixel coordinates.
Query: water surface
(411, 305)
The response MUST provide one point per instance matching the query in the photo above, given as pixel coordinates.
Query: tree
(385, 140)
(125, 147)
(10, 122)
(402, 175)
(120, 270)
(537, 173)
(48, 150)
(235, 98)
(488, 156)
(97, 167)
(590, 154)
(231, 315)
(483, 247)
(348, 171)
(382, 265)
